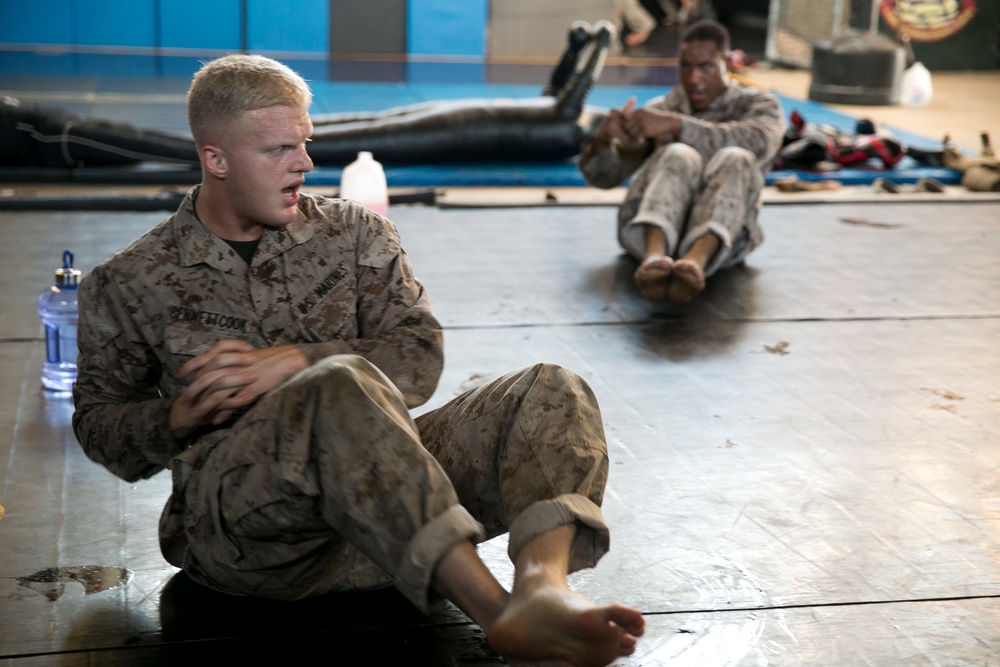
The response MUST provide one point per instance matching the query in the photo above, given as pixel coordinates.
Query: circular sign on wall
(927, 20)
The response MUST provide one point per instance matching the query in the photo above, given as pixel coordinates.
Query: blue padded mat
(333, 97)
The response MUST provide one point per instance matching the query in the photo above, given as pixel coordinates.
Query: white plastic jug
(917, 88)
(363, 181)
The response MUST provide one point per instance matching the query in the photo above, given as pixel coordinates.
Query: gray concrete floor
(804, 461)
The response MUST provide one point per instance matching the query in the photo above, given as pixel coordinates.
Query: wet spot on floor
(51, 582)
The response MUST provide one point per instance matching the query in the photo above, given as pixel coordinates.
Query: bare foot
(653, 277)
(554, 626)
(686, 281)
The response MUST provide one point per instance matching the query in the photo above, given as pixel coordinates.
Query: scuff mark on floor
(868, 223)
(944, 393)
(780, 348)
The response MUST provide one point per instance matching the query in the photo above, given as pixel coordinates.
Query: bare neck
(212, 206)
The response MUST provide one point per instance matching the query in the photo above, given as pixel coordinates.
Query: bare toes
(558, 627)
(687, 281)
(629, 619)
(653, 276)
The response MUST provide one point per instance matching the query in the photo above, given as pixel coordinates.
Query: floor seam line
(820, 605)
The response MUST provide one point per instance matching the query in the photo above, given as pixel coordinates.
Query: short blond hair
(225, 88)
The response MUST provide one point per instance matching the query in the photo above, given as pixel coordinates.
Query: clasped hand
(634, 126)
(230, 376)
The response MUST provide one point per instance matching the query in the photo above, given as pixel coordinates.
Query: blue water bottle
(58, 309)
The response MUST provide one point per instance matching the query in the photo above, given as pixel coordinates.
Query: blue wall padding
(217, 28)
(447, 27)
(289, 25)
(114, 22)
(296, 31)
(196, 24)
(49, 22)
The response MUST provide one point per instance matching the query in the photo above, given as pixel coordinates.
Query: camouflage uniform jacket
(745, 117)
(334, 281)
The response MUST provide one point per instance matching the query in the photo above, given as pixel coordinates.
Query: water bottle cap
(67, 276)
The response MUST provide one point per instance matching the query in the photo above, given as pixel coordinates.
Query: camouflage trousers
(327, 484)
(676, 191)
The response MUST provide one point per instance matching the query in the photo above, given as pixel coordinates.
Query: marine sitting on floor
(697, 158)
(266, 345)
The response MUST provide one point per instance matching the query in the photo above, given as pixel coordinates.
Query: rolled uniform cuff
(428, 546)
(592, 540)
(721, 256)
(632, 236)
